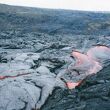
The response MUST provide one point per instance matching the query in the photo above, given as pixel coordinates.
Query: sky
(87, 5)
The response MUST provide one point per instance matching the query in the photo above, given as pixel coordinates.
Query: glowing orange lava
(89, 62)
(4, 77)
(84, 61)
(72, 85)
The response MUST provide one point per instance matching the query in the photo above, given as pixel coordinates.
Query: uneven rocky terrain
(31, 60)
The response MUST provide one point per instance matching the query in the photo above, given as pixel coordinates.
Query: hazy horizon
(84, 5)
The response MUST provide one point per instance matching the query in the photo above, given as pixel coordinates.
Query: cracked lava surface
(29, 79)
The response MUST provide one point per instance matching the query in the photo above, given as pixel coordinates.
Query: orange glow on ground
(79, 58)
(82, 60)
(89, 61)
(4, 77)
(72, 85)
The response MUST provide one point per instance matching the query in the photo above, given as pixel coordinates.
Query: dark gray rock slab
(92, 94)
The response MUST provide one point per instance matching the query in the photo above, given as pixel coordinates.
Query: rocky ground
(93, 94)
(34, 51)
(28, 66)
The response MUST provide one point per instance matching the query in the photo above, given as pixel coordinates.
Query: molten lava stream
(4, 77)
(89, 63)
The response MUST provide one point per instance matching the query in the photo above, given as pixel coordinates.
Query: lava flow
(72, 85)
(89, 63)
(86, 64)
(4, 77)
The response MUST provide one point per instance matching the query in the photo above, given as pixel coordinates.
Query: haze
(88, 5)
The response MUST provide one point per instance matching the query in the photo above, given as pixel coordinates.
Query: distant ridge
(53, 8)
(53, 21)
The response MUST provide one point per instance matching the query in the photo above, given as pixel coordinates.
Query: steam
(84, 45)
